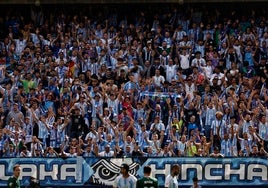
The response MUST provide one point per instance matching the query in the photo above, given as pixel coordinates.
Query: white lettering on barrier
(2, 173)
(64, 173)
(253, 173)
(31, 173)
(53, 173)
(224, 172)
(240, 171)
(30, 170)
(185, 167)
(209, 168)
(165, 170)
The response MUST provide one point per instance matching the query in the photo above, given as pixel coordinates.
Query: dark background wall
(118, 1)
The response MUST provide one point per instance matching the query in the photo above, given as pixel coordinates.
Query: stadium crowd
(162, 82)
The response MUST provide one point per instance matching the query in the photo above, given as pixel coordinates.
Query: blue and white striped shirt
(129, 182)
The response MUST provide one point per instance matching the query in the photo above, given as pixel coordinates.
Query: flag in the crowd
(71, 69)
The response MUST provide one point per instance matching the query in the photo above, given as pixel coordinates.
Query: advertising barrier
(103, 171)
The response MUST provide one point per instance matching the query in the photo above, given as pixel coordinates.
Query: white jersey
(181, 147)
(105, 154)
(263, 130)
(121, 182)
(170, 72)
(42, 130)
(114, 104)
(171, 182)
(20, 45)
(158, 80)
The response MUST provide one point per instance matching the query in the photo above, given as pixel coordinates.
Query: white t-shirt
(220, 76)
(198, 62)
(121, 182)
(171, 182)
(208, 71)
(20, 45)
(105, 154)
(184, 60)
(158, 80)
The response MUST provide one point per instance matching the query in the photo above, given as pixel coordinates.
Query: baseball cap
(125, 166)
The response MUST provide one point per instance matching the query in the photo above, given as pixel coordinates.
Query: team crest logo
(106, 170)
